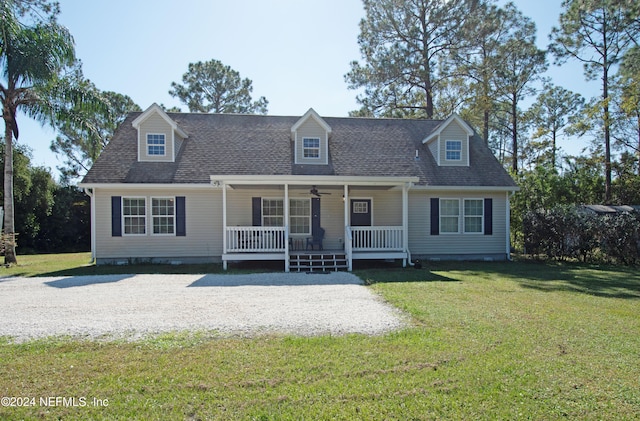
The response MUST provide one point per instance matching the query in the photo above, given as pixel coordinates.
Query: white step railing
(376, 238)
(255, 239)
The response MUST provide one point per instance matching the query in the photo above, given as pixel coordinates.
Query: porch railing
(255, 239)
(376, 238)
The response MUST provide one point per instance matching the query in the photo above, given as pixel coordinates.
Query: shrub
(571, 232)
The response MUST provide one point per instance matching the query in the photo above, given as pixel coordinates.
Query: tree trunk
(514, 133)
(607, 136)
(9, 225)
(485, 129)
(553, 148)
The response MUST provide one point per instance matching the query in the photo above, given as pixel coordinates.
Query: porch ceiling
(333, 189)
(306, 182)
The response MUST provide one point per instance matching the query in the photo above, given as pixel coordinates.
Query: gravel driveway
(132, 306)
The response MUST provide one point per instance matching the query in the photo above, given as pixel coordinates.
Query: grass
(488, 341)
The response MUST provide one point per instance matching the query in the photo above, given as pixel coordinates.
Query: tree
(33, 195)
(83, 137)
(404, 45)
(555, 108)
(213, 87)
(597, 33)
(486, 31)
(628, 90)
(31, 57)
(519, 63)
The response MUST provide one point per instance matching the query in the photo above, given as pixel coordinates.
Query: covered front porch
(291, 218)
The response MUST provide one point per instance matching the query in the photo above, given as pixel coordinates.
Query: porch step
(318, 262)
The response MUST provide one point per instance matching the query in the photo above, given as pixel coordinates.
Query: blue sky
(296, 52)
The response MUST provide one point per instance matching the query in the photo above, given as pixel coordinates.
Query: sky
(296, 52)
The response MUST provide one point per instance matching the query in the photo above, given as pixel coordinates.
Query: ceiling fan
(314, 191)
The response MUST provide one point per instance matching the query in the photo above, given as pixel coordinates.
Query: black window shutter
(488, 216)
(435, 216)
(315, 215)
(256, 209)
(116, 216)
(181, 218)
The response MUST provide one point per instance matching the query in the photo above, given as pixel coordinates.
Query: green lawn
(488, 341)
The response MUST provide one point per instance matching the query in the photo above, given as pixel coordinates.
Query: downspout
(287, 204)
(225, 265)
(89, 192)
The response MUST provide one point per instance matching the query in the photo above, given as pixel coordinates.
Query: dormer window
(159, 136)
(453, 150)
(155, 144)
(311, 147)
(310, 136)
(449, 142)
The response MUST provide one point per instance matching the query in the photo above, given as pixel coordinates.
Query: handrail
(377, 238)
(255, 239)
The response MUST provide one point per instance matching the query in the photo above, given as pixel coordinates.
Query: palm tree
(32, 58)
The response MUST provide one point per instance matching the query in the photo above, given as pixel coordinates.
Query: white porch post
(405, 221)
(347, 240)
(286, 228)
(92, 194)
(224, 224)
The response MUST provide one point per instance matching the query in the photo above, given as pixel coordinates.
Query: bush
(621, 237)
(571, 232)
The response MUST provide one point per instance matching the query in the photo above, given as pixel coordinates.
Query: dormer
(449, 142)
(159, 137)
(310, 136)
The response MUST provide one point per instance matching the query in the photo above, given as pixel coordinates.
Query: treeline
(50, 217)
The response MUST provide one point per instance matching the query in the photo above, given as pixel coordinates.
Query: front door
(361, 212)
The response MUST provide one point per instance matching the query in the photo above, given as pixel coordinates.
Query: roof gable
(442, 126)
(156, 109)
(314, 115)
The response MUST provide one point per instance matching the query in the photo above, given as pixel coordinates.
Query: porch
(274, 243)
(285, 218)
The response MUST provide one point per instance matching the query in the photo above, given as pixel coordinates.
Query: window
(453, 151)
(155, 144)
(449, 215)
(473, 215)
(272, 213)
(134, 215)
(300, 216)
(311, 147)
(360, 207)
(163, 215)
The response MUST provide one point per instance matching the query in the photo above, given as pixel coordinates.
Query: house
(186, 187)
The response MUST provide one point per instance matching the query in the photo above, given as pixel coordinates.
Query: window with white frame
(361, 207)
(453, 150)
(311, 147)
(449, 216)
(134, 215)
(473, 215)
(300, 216)
(272, 213)
(155, 144)
(163, 215)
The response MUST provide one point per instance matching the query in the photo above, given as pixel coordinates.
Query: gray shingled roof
(227, 144)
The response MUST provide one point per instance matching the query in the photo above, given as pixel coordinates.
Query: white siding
(155, 124)
(203, 227)
(311, 128)
(421, 242)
